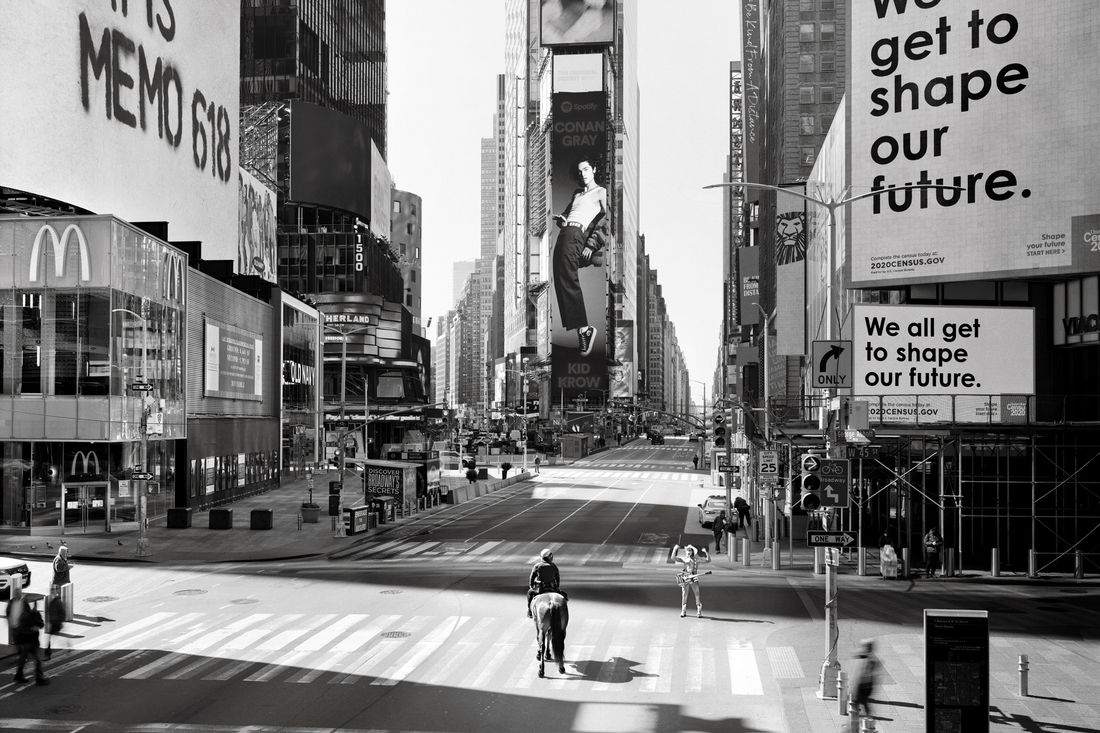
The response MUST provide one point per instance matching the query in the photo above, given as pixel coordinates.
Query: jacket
(599, 238)
(545, 576)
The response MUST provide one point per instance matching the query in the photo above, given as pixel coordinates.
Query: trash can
(261, 519)
(64, 590)
(356, 519)
(383, 506)
(334, 505)
(221, 518)
(483, 474)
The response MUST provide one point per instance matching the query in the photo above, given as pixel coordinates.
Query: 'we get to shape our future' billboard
(996, 98)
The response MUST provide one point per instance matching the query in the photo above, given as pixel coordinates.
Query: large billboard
(932, 364)
(233, 362)
(256, 229)
(577, 22)
(997, 99)
(128, 109)
(578, 284)
(330, 160)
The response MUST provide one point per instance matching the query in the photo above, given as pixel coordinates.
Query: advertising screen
(996, 99)
(233, 363)
(943, 363)
(330, 160)
(579, 283)
(578, 22)
(128, 109)
(256, 230)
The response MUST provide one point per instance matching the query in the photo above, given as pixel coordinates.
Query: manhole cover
(244, 601)
(390, 592)
(100, 599)
(189, 592)
(395, 634)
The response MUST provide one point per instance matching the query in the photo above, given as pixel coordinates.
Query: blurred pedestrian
(933, 544)
(55, 620)
(695, 462)
(690, 557)
(863, 683)
(538, 463)
(719, 528)
(25, 621)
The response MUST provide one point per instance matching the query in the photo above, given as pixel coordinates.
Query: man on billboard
(584, 231)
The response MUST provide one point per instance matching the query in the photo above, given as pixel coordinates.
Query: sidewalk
(287, 539)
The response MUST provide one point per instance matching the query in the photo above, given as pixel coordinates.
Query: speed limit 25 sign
(769, 463)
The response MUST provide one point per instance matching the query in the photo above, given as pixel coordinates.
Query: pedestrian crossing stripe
(387, 649)
(504, 552)
(593, 474)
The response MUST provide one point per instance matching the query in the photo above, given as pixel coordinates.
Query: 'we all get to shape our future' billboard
(929, 364)
(996, 98)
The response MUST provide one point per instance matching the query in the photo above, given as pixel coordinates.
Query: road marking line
(330, 632)
(744, 675)
(422, 650)
(280, 641)
(359, 637)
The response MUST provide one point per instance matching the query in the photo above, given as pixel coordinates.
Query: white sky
(443, 60)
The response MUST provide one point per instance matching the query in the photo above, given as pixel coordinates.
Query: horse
(551, 617)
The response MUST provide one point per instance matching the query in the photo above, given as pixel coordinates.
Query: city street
(423, 628)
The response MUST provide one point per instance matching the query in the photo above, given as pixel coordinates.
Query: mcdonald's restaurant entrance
(87, 506)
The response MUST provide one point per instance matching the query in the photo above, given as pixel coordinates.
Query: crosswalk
(380, 650)
(505, 552)
(628, 471)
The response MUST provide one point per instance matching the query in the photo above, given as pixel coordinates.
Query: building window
(412, 274)
(806, 33)
(403, 245)
(828, 95)
(806, 6)
(412, 209)
(828, 32)
(397, 207)
(828, 5)
(410, 228)
(808, 155)
(808, 125)
(806, 95)
(828, 63)
(806, 63)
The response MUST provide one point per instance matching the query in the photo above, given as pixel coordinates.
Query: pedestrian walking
(690, 557)
(538, 463)
(62, 568)
(695, 462)
(719, 528)
(744, 518)
(55, 620)
(25, 621)
(933, 544)
(863, 683)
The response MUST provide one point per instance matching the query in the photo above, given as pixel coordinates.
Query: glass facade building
(92, 343)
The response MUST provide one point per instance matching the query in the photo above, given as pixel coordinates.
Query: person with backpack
(25, 621)
(933, 544)
(719, 528)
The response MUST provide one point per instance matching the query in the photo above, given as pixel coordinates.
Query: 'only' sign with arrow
(832, 364)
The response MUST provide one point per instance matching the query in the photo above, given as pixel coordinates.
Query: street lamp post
(346, 330)
(143, 540)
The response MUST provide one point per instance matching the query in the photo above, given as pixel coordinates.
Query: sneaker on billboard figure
(587, 339)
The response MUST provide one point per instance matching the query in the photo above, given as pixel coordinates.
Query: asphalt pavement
(1064, 669)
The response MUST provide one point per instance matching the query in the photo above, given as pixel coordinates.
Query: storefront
(91, 371)
(301, 406)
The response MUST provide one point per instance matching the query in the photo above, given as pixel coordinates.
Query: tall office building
(405, 238)
(313, 128)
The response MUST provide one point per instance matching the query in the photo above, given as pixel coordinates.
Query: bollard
(842, 693)
(731, 548)
(775, 555)
(819, 560)
(1079, 565)
(995, 569)
(1032, 564)
(949, 562)
(746, 560)
(866, 725)
(905, 562)
(1023, 675)
(862, 561)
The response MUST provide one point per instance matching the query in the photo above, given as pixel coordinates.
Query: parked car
(10, 566)
(657, 439)
(711, 507)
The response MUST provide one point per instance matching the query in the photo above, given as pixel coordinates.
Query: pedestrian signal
(810, 484)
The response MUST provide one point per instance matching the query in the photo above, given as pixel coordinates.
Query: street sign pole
(830, 668)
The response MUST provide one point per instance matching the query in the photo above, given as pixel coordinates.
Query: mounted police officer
(544, 578)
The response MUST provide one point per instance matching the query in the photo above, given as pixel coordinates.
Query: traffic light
(720, 430)
(810, 482)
